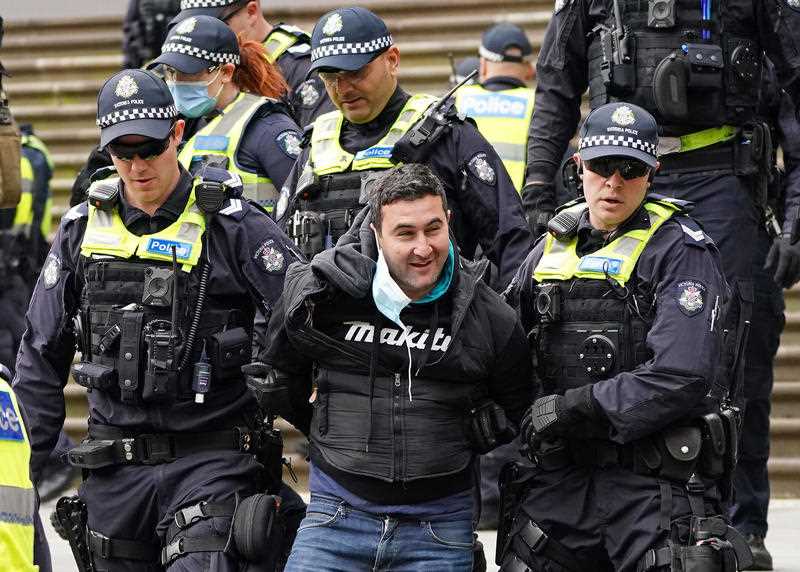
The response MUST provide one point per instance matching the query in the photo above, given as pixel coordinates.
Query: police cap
(620, 129)
(348, 39)
(134, 102)
(503, 38)
(197, 43)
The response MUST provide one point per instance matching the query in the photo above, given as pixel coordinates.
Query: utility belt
(109, 446)
(707, 447)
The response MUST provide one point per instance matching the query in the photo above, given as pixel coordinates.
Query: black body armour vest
(687, 71)
(328, 206)
(588, 330)
(137, 354)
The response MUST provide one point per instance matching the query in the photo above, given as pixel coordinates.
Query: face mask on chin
(192, 98)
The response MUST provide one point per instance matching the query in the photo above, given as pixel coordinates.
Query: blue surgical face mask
(192, 98)
(388, 296)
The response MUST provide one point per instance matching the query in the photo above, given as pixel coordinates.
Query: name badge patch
(164, 247)
(211, 143)
(375, 153)
(10, 426)
(601, 264)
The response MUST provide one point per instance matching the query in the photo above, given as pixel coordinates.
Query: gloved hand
(784, 257)
(269, 387)
(555, 414)
(539, 201)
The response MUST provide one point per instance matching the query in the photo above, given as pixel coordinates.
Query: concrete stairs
(59, 66)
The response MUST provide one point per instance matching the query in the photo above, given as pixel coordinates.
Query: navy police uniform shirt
(486, 209)
(270, 144)
(244, 247)
(680, 270)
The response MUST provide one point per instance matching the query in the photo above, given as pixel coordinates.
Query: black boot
(762, 559)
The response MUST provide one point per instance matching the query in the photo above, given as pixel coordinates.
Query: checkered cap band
(217, 57)
(140, 113)
(618, 141)
(188, 4)
(351, 48)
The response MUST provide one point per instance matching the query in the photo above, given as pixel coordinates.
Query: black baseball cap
(214, 8)
(501, 38)
(197, 43)
(134, 102)
(348, 39)
(619, 129)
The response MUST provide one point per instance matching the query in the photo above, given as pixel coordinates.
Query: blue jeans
(334, 537)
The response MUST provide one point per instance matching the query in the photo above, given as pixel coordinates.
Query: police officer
(251, 134)
(376, 125)
(286, 45)
(502, 104)
(623, 299)
(166, 273)
(144, 30)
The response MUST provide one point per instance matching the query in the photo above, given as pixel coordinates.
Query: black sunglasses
(628, 168)
(147, 150)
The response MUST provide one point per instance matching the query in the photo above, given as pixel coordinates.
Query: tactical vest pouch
(199, 162)
(670, 86)
(229, 351)
(705, 66)
(94, 375)
(129, 356)
(161, 376)
(93, 454)
(680, 450)
(307, 230)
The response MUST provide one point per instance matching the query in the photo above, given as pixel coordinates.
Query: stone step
(786, 399)
(785, 437)
(784, 476)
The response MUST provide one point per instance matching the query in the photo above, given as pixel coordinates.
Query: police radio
(412, 146)
(104, 195)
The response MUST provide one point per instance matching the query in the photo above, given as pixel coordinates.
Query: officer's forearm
(554, 122)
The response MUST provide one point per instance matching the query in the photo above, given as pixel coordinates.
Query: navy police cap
(501, 38)
(197, 43)
(134, 102)
(620, 129)
(348, 39)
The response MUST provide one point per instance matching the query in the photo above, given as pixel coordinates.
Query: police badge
(126, 87)
(481, 168)
(271, 257)
(691, 297)
(308, 93)
(51, 271)
(289, 143)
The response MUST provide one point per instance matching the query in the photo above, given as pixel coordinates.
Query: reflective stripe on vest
(617, 259)
(16, 489)
(223, 136)
(503, 118)
(327, 155)
(277, 43)
(106, 235)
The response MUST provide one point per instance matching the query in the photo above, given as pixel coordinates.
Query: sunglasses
(147, 150)
(607, 166)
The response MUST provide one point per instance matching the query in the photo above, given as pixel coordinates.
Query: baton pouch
(93, 454)
(712, 456)
(229, 350)
(258, 529)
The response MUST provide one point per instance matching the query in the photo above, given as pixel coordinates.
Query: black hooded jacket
(384, 434)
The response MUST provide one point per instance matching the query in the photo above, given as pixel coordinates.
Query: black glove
(269, 387)
(539, 201)
(556, 414)
(488, 427)
(537, 222)
(784, 257)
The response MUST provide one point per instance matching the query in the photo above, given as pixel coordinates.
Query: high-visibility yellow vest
(106, 234)
(282, 37)
(328, 156)
(503, 118)
(17, 497)
(223, 136)
(617, 259)
(23, 216)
